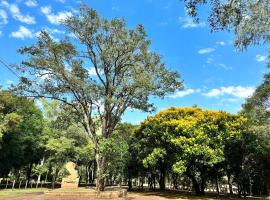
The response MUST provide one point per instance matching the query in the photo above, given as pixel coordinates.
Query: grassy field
(17, 192)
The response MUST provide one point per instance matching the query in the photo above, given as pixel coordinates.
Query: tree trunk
(202, 185)
(54, 178)
(217, 185)
(162, 177)
(230, 183)
(100, 180)
(129, 184)
(29, 172)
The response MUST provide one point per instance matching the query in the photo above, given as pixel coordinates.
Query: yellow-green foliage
(198, 136)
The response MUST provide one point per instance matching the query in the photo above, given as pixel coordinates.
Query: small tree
(111, 70)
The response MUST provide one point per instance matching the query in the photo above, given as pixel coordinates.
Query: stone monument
(71, 181)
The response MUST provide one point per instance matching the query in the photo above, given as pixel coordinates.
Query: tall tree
(110, 70)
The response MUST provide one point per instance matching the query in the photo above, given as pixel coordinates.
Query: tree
(21, 127)
(64, 139)
(126, 72)
(256, 146)
(189, 141)
(248, 19)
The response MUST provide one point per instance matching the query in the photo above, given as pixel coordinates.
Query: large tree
(188, 141)
(103, 70)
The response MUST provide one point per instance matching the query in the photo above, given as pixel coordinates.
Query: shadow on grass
(183, 195)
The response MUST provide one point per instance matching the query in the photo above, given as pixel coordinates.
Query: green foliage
(126, 72)
(249, 19)
(21, 128)
(187, 140)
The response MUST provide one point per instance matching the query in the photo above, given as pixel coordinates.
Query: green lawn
(16, 192)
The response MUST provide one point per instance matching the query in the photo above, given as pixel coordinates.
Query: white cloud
(210, 60)
(183, 93)
(55, 18)
(236, 91)
(9, 82)
(31, 3)
(221, 43)
(16, 13)
(91, 71)
(0, 33)
(188, 22)
(5, 3)
(206, 50)
(22, 33)
(260, 58)
(3, 17)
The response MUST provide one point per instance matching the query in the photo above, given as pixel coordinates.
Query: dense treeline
(180, 148)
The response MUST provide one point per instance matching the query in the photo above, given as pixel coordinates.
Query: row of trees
(178, 142)
(178, 147)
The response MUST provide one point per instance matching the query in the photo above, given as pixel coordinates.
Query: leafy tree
(255, 144)
(190, 141)
(126, 73)
(117, 150)
(21, 128)
(249, 19)
(64, 139)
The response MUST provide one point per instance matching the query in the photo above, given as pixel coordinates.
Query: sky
(216, 76)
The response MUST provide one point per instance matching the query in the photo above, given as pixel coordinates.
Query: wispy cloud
(22, 33)
(17, 15)
(221, 43)
(260, 58)
(55, 18)
(224, 66)
(206, 50)
(183, 93)
(188, 22)
(31, 3)
(236, 91)
(3, 17)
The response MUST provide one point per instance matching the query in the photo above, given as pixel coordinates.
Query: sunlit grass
(16, 192)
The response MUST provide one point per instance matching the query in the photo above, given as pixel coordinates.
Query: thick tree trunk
(162, 177)
(195, 183)
(196, 186)
(100, 180)
(202, 185)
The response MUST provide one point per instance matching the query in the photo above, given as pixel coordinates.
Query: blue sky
(215, 75)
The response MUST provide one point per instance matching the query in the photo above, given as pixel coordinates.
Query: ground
(37, 194)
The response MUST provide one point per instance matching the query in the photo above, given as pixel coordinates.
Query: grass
(17, 192)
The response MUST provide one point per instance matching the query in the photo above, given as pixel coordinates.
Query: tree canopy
(111, 70)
